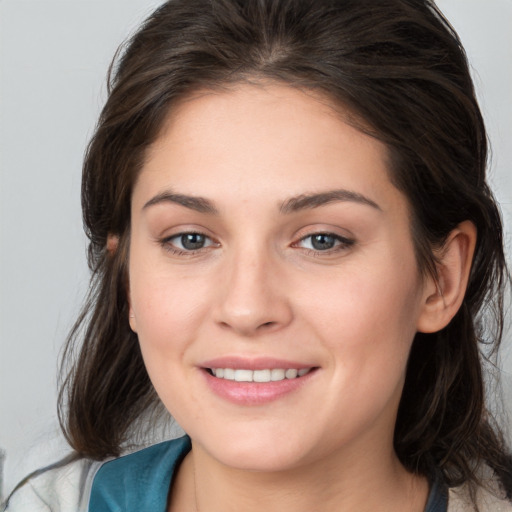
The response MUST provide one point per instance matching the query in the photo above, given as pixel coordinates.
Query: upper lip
(258, 363)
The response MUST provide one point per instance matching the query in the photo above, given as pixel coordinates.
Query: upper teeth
(273, 375)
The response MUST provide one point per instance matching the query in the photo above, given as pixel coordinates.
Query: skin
(259, 288)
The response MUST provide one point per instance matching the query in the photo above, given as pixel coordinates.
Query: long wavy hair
(400, 68)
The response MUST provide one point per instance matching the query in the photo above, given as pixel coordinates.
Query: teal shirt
(141, 481)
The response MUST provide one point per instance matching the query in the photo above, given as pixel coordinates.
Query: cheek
(368, 317)
(368, 329)
(167, 307)
(168, 318)
(166, 314)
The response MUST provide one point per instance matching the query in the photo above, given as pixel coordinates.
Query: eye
(187, 242)
(324, 242)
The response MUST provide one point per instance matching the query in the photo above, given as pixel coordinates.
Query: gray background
(53, 60)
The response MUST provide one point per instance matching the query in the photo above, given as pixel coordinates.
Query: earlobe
(132, 320)
(131, 314)
(443, 296)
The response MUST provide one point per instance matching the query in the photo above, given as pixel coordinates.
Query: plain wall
(53, 61)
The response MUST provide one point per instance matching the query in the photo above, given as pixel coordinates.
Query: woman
(292, 244)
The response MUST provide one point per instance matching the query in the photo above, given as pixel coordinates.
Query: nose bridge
(253, 300)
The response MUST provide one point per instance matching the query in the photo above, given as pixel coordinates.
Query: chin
(256, 460)
(252, 451)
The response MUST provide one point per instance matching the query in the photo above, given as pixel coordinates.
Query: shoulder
(62, 487)
(140, 480)
(146, 461)
(459, 501)
(77, 485)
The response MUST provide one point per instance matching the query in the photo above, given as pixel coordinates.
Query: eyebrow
(199, 204)
(310, 201)
(293, 204)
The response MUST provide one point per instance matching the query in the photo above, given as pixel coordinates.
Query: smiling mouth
(265, 375)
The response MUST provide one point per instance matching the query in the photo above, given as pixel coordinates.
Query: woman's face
(269, 246)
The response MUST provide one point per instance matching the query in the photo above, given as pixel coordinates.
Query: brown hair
(400, 67)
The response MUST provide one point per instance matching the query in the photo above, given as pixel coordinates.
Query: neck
(337, 483)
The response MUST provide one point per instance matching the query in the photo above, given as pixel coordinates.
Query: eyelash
(168, 245)
(341, 243)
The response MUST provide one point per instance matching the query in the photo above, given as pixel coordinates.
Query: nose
(254, 298)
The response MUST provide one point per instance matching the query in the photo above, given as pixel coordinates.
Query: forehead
(258, 103)
(262, 140)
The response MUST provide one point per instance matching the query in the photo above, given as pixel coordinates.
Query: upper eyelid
(341, 238)
(326, 232)
(334, 231)
(184, 231)
(187, 232)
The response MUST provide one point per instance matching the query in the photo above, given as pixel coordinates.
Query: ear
(112, 246)
(131, 313)
(112, 243)
(131, 317)
(443, 296)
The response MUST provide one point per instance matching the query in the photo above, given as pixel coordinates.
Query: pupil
(192, 241)
(323, 242)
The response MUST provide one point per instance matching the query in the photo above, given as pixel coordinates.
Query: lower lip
(254, 393)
